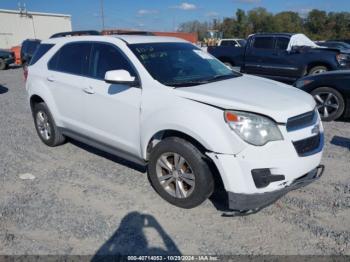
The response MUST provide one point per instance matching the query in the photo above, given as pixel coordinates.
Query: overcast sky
(163, 15)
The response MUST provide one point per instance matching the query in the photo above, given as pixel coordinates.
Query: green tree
(288, 22)
(316, 24)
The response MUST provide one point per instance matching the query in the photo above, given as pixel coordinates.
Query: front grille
(301, 121)
(308, 146)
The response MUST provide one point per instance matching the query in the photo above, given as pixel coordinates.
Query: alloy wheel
(327, 104)
(175, 175)
(319, 71)
(43, 125)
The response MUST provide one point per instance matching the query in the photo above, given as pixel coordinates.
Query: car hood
(253, 94)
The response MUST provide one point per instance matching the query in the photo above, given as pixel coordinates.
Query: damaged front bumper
(245, 202)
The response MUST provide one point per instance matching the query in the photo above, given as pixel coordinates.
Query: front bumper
(244, 202)
(9, 61)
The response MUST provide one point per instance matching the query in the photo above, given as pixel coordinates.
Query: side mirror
(295, 50)
(121, 77)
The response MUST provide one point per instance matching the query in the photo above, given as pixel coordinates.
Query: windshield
(242, 42)
(181, 64)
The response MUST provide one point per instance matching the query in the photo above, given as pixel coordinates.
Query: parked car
(235, 42)
(6, 58)
(164, 103)
(27, 50)
(284, 57)
(331, 92)
(342, 40)
(342, 46)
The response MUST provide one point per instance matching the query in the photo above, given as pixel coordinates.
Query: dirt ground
(83, 201)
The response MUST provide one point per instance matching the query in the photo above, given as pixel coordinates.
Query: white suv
(164, 103)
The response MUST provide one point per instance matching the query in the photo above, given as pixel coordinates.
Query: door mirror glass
(122, 77)
(296, 49)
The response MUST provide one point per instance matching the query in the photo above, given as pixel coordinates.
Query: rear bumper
(244, 202)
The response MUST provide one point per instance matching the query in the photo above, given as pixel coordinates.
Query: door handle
(89, 90)
(50, 79)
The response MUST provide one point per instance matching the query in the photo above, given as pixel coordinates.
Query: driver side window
(106, 57)
(282, 43)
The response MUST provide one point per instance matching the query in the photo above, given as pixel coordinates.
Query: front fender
(201, 122)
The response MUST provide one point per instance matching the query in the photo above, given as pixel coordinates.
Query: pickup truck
(282, 56)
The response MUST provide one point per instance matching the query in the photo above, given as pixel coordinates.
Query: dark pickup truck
(284, 57)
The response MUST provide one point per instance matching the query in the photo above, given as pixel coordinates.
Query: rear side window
(282, 43)
(41, 50)
(31, 46)
(72, 58)
(228, 43)
(263, 43)
(107, 57)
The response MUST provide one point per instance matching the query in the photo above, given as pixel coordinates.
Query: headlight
(342, 57)
(253, 129)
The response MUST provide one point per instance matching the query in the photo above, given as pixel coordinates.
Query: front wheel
(318, 70)
(179, 173)
(330, 103)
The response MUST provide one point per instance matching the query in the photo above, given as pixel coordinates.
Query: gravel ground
(85, 202)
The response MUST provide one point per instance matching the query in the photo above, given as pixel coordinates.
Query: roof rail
(75, 33)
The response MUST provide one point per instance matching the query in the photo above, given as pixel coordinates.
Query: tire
(46, 127)
(194, 170)
(330, 103)
(3, 64)
(318, 70)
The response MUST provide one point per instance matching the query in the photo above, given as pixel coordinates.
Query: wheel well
(35, 99)
(314, 64)
(159, 136)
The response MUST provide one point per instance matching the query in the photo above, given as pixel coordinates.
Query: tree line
(317, 24)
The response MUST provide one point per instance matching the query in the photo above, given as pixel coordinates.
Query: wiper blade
(200, 81)
(185, 84)
(220, 77)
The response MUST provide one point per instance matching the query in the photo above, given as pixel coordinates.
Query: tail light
(25, 72)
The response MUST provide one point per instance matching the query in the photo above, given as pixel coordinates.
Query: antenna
(22, 8)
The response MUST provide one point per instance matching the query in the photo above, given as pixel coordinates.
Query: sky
(163, 15)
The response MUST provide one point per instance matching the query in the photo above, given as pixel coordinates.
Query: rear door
(68, 69)
(258, 54)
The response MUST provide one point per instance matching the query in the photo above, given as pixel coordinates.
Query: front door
(112, 111)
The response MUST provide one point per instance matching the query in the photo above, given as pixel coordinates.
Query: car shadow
(219, 198)
(111, 157)
(343, 119)
(130, 238)
(341, 141)
(3, 89)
